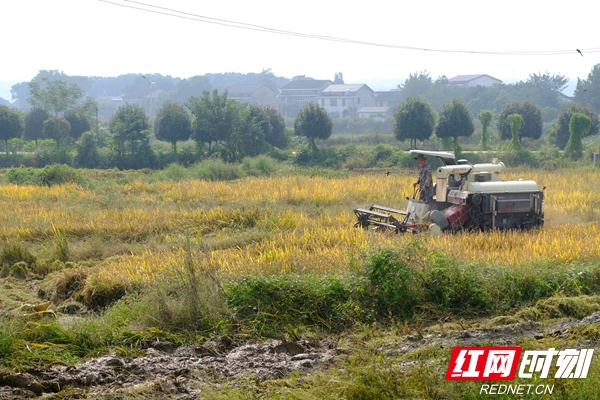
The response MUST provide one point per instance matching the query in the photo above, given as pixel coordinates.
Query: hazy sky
(102, 38)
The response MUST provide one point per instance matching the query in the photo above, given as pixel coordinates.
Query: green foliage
(87, 151)
(274, 128)
(56, 128)
(14, 252)
(267, 304)
(579, 126)
(227, 123)
(515, 121)
(214, 169)
(416, 85)
(11, 124)
(414, 119)
(55, 96)
(23, 176)
(313, 122)
(61, 245)
(173, 172)
(326, 157)
(57, 174)
(173, 124)
(532, 119)
(559, 133)
(485, 117)
(186, 89)
(395, 283)
(454, 120)
(587, 91)
(79, 123)
(259, 166)
(542, 89)
(34, 124)
(129, 124)
(213, 119)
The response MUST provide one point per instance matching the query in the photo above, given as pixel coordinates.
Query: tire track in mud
(180, 372)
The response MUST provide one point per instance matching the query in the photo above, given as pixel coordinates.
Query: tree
(79, 123)
(559, 133)
(11, 125)
(543, 89)
(226, 123)
(532, 120)
(87, 150)
(454, 121)
(129, 124)
(246, 138)
(261, 118)
(173, 124)
(416, 85)
(414, 120)
(339, 79)
(313, 122)
(56, 128)
(57, 95)
(485, 117)
(34, 124)
(276, 136)
(210, 122)
(267, 77)
(90, 107)
(186, 89)
(587, 91)
(515, 121)
(579, 126)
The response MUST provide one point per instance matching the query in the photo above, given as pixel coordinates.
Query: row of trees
(415, 120)
(542, 89)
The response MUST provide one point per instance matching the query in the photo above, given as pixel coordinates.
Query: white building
(346, 99)
(474, 80)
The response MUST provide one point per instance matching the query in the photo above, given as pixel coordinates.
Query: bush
(57, 174)
(261, 165)
(328, 158)
(268, 304)
(23, 176)
(174, 172)
(395, 285)
(215, 169)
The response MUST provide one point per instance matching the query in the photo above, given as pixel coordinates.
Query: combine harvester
(467, 197)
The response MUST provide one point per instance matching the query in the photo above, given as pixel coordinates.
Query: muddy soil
(181, 372)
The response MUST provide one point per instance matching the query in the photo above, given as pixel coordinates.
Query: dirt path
(179, 373)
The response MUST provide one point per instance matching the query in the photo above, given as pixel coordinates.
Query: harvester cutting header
(465, 197)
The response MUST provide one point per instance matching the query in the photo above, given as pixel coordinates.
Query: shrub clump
(266, 303)
(50, 175)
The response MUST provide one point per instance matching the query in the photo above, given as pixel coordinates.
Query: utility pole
(150, 83)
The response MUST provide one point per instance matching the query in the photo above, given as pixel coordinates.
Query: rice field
(278, 224)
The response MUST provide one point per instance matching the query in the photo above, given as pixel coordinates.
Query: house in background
(474, 80)
(346, 99)
(388, 98)
(295, 94)
(261, 95)
(378, 113)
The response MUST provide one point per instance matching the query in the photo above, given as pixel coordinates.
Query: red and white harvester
(467, 197)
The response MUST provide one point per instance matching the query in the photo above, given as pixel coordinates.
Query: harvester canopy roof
(446, 157)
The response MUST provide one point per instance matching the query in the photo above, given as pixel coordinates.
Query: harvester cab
(466, 196)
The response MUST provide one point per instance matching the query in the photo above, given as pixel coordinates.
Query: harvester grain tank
(467, 197)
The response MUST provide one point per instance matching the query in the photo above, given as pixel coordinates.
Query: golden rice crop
(283, 224)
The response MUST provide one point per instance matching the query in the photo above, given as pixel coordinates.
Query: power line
(140, 6)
